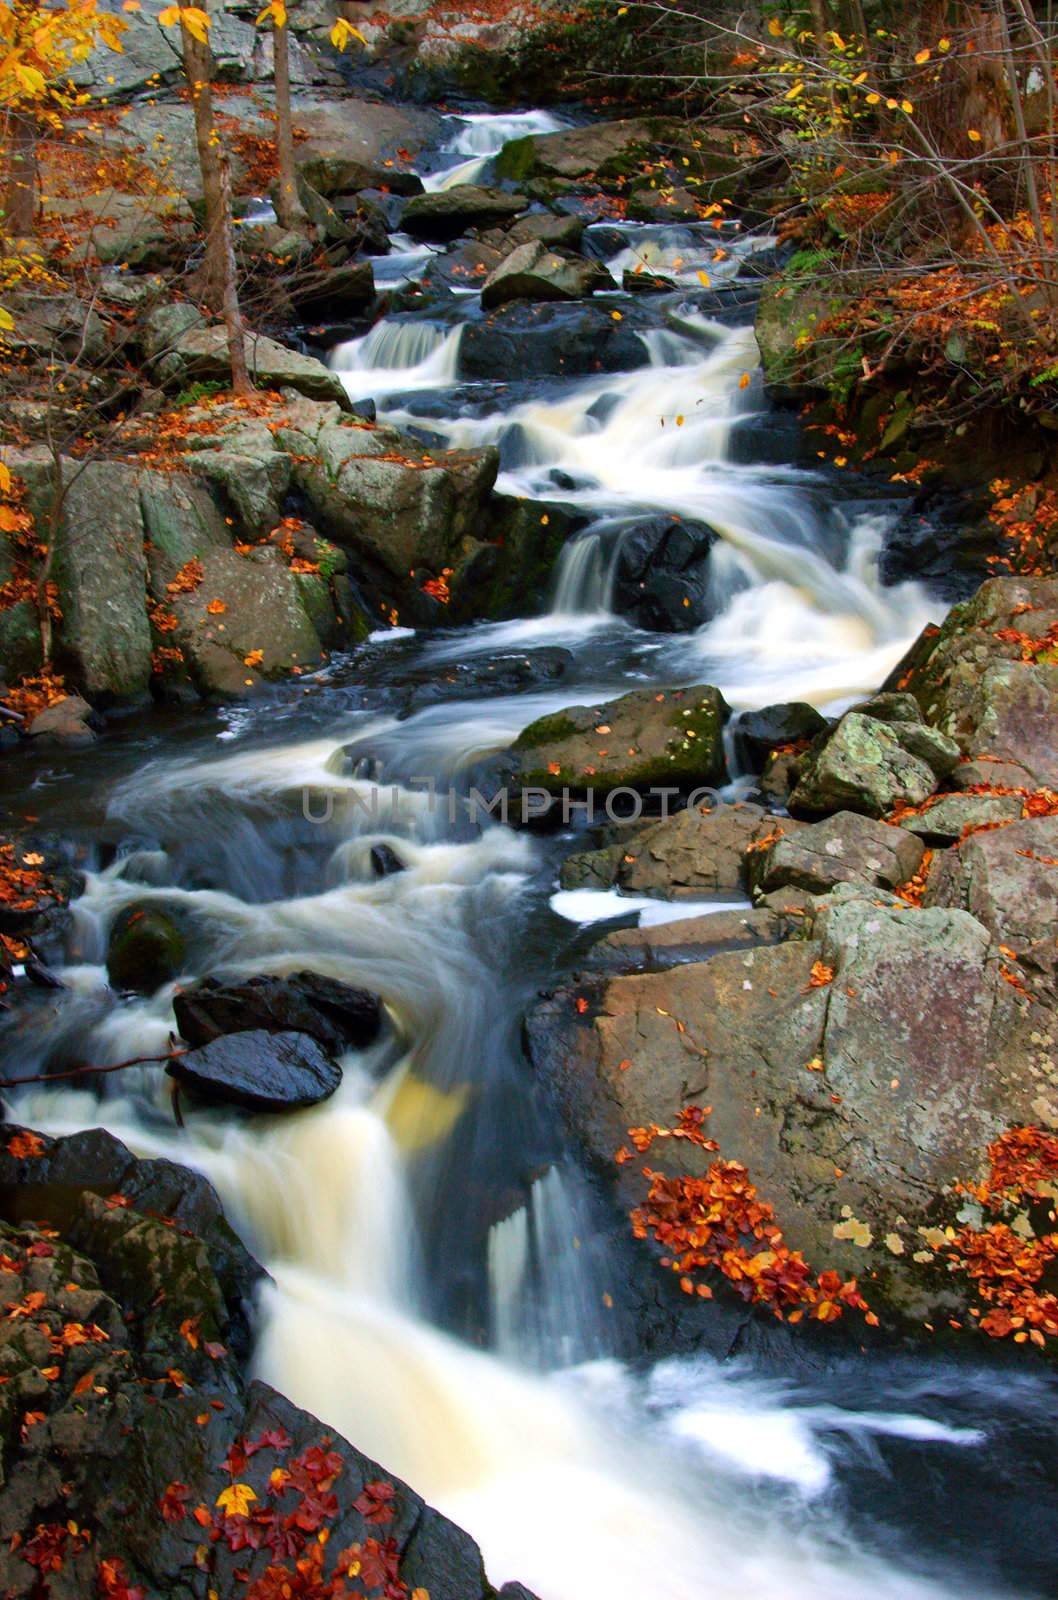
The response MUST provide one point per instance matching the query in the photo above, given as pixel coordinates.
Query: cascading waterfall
(442, 1289)
(479, 138)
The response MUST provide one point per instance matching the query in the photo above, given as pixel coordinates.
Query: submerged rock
(553, 340)
(335, 1014)
(146, 949)
(259, 1070)
(661, 574)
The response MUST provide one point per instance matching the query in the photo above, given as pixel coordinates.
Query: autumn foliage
(719, 1224)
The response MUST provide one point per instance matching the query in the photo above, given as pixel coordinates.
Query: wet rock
(533, 271)
(973, 683)
(553, 340)
(558, 232)
(670, 944)
(1008, 879)
(696, 853)
(146, 948)
(259, 1071)
(916, 1065)
(203, 353)
(465, 267)
(65, 722)
(633, 282)
(643, 740)
(385, 861)
(508, 570)
(870, 766)
(846, 848)
(139, 1419)
(661, 575)
(447, 213)
(336, 1015)
(757, 733)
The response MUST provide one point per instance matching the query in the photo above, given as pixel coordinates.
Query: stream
(449, 1288)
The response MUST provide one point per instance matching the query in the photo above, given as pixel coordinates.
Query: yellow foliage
(39, 44)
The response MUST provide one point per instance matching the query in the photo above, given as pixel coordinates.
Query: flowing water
(448, 1288)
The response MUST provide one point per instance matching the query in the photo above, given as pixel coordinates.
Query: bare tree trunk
(219, 288)
(289, 209)
(21, 199)
(240, 377)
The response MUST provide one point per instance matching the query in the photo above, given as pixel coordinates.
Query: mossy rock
(146, 949)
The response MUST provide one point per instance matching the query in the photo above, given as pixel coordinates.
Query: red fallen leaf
(83, 1385)
(273, 1439)
(236, 1458)
(116, 1202)
(373, 1501)
(202, 1516)
(820, 976)
(25, 1146)
(582, 1004)
(112, 1582)
(41, 1249)
(173, 1503)
(189, 1330)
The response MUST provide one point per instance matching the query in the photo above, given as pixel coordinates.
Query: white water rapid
(447, 1292)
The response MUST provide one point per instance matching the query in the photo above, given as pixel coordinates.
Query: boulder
(666, 739)
(149, 1412)
(553, 340)
(533, 271)
(147, 58)
(689, 856)
(341, 289)
(866, 765)
(672, 944)
(661, 574)
(332, 175)
(259, 1071)
(558, 232)
(145, 949)
(944, 818)
(1007, 877)
(103, 641)
(65, 722)
(392, 501)
(855, 1101)
(846, 848)
(203, 353)
(163, 325)
(757, 733)
(336, 1015)
(988, 678)
(447, 213)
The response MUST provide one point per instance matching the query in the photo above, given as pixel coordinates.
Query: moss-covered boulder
(145, 950)
(647, 739)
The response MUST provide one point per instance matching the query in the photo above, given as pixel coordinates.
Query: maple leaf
(216, 608)
(173, 1502)
(254, 658)
(373, 1501)
(236, 1499)
(25, 1146)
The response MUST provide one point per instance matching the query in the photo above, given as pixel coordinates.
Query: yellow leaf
(196, 22)
(906, 107)
(235, 1501)
(743, 382)
(342, 32)
(921, 58)
(861, 78)
(254, 658)
(169, 17)
(775, 28)
(944, 44)
(873, 99)
(5, 478)
(704, 278)
(618, 316)
(972, 134)
(791, 94)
